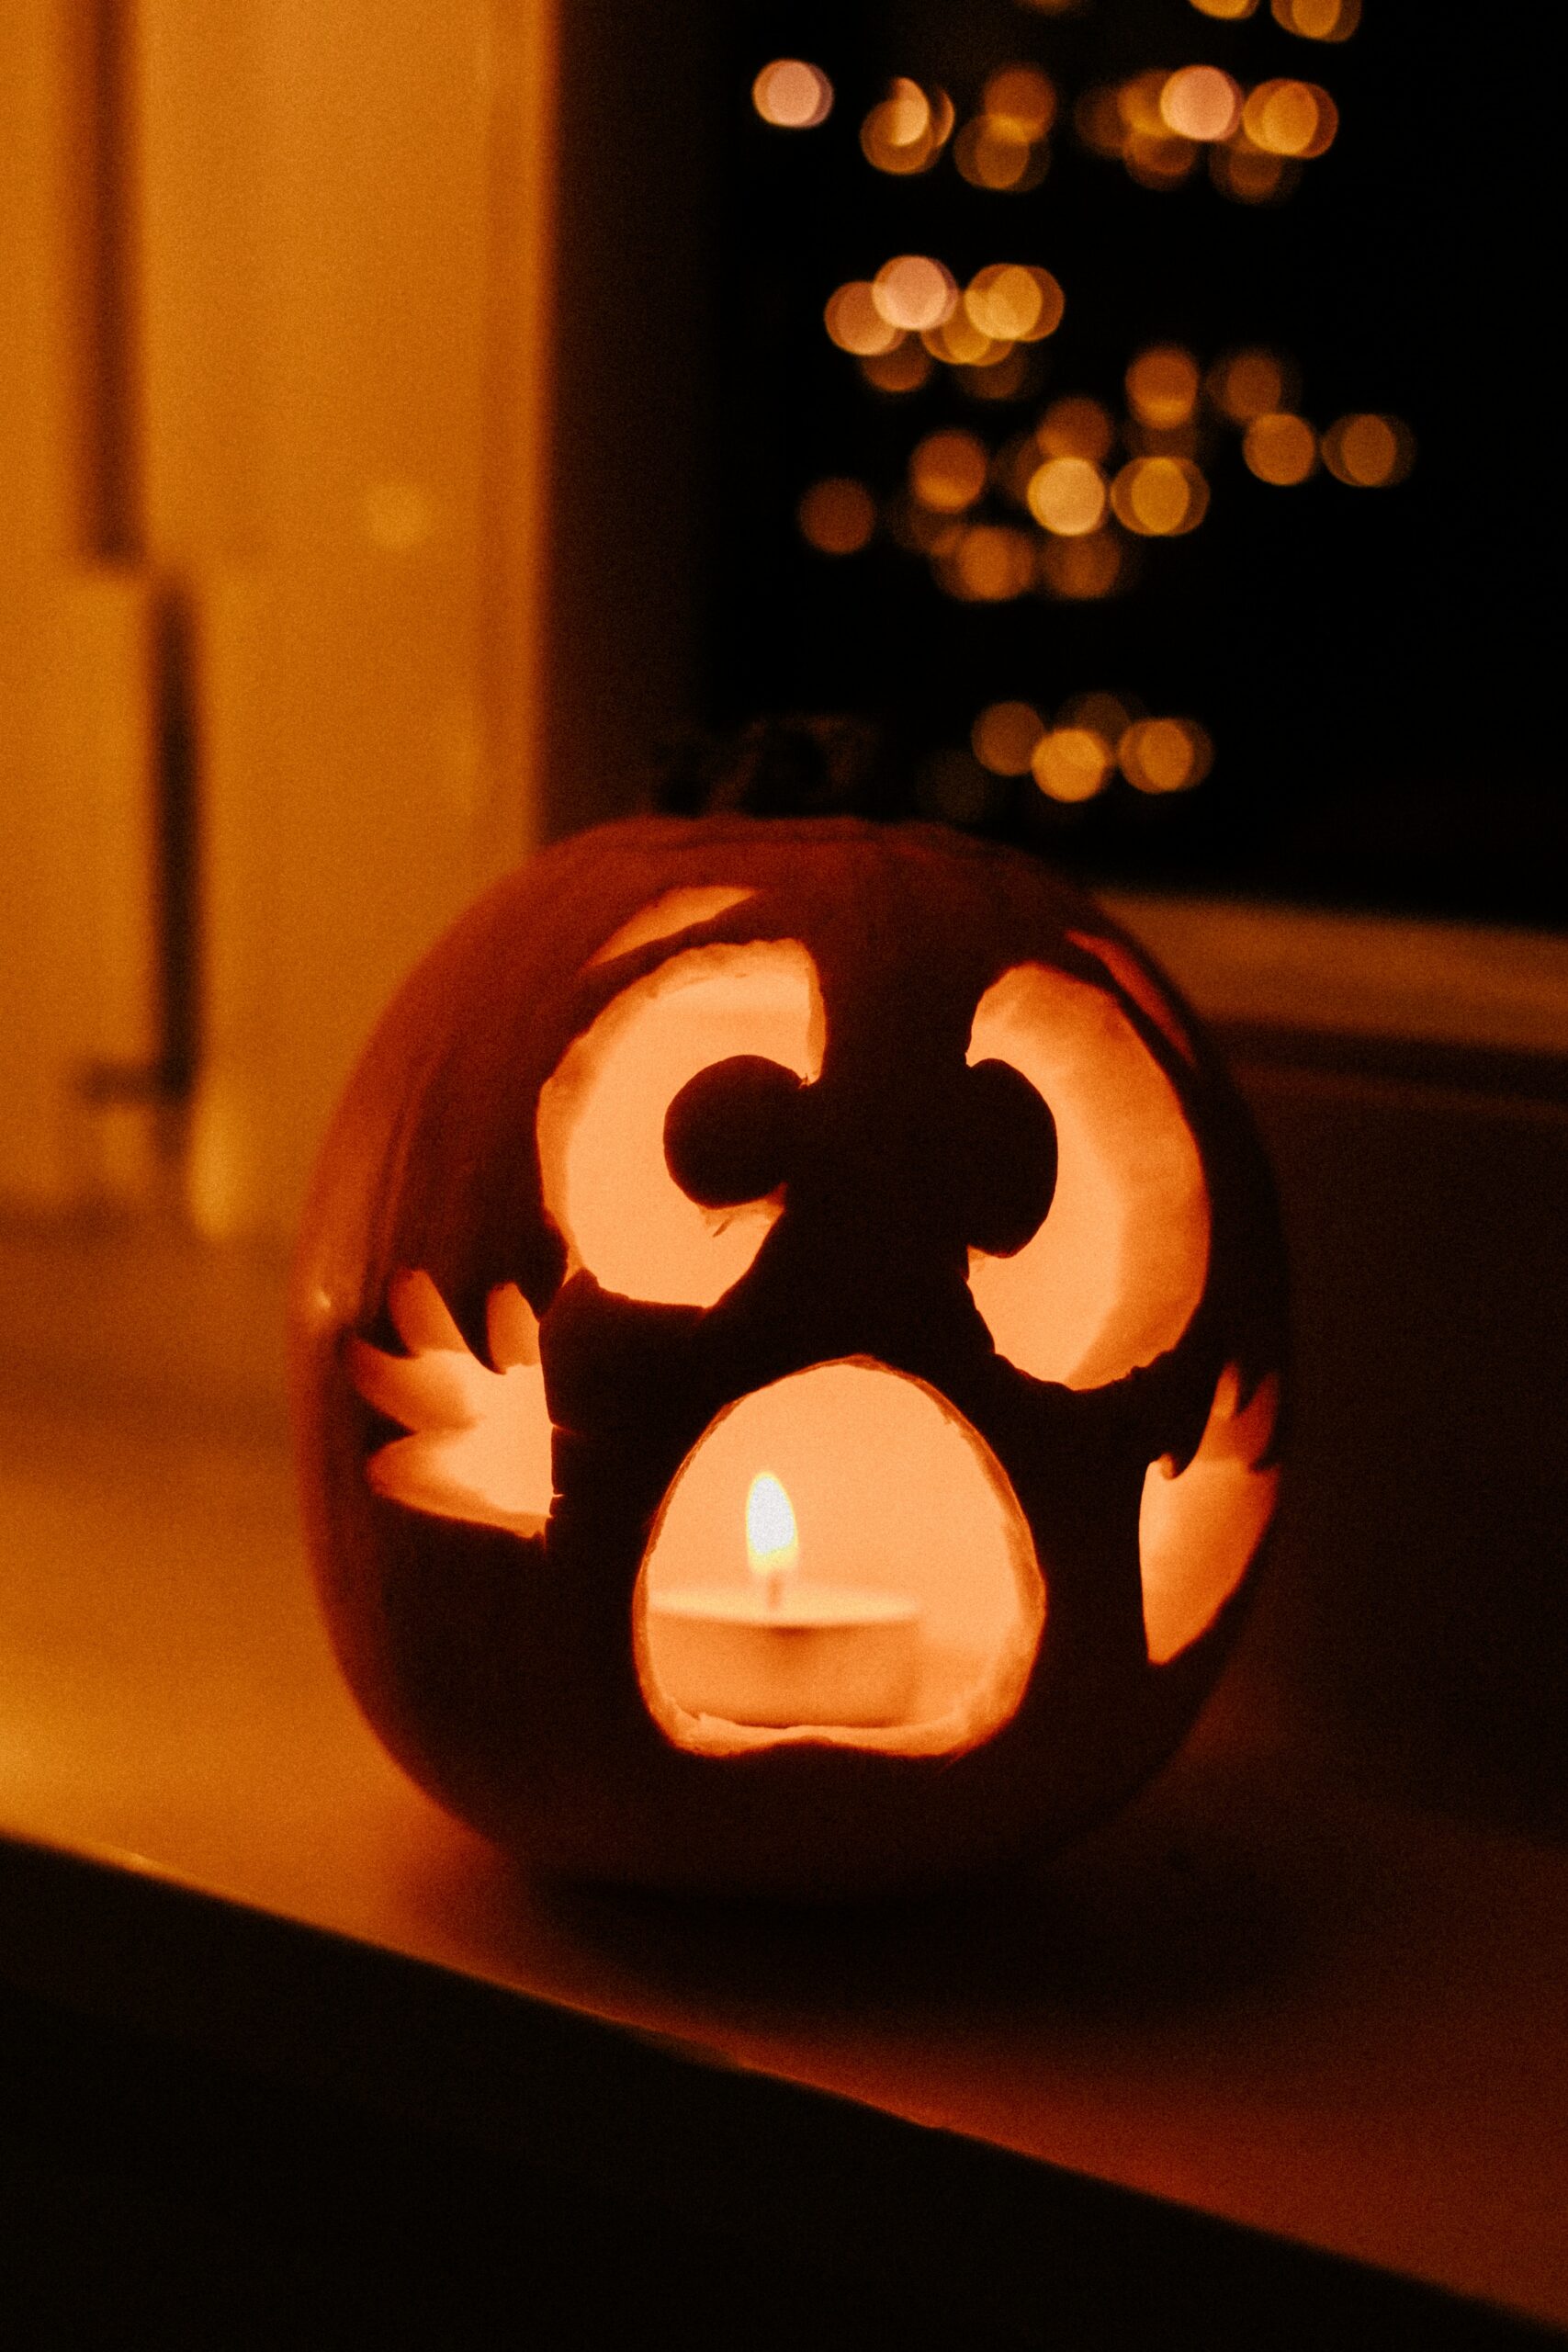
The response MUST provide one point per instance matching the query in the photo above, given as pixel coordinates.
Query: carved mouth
(908, 1617)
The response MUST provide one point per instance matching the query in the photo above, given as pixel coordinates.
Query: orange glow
(1004, 735)
(1072, 763)
(1130, 975)
(1291, 119)
(1162, 386)
(1003, 375)
(990, 564)
(1228, 11)
(903, 1513)
(1097, 119)
(1165, 754)
(602, 1114)
(903, 369)
(1248, 384)
(1198, 1532)
(1012, 303)
(961, 344)
(948, 470)
(1160, 498)
(1022, 98)
(1200, 103)
(793, 94)
(837, 517)
(1368, 452)
(1317, 20)
(990, 154)
(1156, 162)
(1247, 175)
(921, 530)
(479, 1447)
(1077, 427)
(905, 133)
(1066, 495)
(1113, 1276)
(668, 916)
(1103, 714)
(913, 292)
(1081, 571)
(1279, 448)
(856, 323)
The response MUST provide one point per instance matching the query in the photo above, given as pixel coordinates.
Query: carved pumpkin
(788, 1328)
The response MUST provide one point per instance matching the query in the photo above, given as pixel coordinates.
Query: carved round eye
(662, 1132)
(1112, 1276)
(727, 1133)
(1012, 1159)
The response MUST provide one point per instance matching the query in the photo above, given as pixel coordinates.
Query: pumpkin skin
(506, 1670)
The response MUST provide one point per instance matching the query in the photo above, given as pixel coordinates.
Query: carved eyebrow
(1130, 977)
(675, 910)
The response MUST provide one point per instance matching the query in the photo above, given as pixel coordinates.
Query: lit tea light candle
(782, 1651)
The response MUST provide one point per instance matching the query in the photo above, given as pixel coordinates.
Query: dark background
(1371, 665)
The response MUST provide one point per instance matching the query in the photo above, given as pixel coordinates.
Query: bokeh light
(1077, 426)
(920, 530)
(990, 563)
(1246, 384)
(903, 369)
(1200, 103)
(1317, 20)
(1097, 119)
(913, 291)
(1103, 714)
(1162, 386)
(1247, 175)
(791, 95)
(990, 154)
(1295, 119)
(1011, 302)
(905, 134)
(1082, 571)
(1160, 498)
(1022, 99)
(1229, 12)
(837, 517)
(1066, 496)
(961, 343)
(1072, 763)
(1004, 735)
(948, 471)
(1158, 160)
(1279, 448)
(1165, 754)
(855, 323)
(1368, 452)
(1004, 376)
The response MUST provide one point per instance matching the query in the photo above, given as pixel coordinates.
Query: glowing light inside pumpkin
(912, 1619)
(773, 1543)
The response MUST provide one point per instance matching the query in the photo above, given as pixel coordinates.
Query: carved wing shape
(479, 1443)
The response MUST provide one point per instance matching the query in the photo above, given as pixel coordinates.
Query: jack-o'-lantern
(788, 1329)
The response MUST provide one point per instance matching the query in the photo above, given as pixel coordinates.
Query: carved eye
(663, 1132)
(1113, 1276)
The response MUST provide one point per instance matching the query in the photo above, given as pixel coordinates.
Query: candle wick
(776, 1590)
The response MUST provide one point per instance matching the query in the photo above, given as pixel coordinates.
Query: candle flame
(772, 1546)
